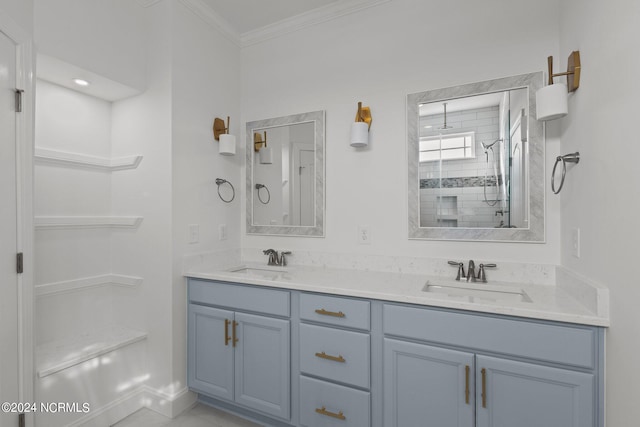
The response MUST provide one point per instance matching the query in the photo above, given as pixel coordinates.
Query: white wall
(205, 84)
(104, 37)
(601, 196)
(378, 56)
(142, 126)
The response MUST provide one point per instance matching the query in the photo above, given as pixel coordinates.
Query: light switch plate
(194, 233)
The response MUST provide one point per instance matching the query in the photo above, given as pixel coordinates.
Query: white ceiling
(248, 15)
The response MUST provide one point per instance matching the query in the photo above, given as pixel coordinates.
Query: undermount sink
(262, 272)
(478, 292)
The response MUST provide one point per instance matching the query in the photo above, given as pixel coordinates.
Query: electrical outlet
(222, 231)
(194, 233)
(575, 242)
(364, 235)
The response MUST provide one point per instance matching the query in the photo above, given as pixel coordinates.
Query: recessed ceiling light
(81, 82)
(428, 127)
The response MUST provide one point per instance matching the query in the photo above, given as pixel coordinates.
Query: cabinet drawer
(240, 297)
(554, 343)
(347, 312)
(346, 354)
(324, 404)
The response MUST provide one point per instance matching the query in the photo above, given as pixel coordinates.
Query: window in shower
(447, 147)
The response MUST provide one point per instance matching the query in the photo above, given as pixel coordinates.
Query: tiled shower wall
(455, 196)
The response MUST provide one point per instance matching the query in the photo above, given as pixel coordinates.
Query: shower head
(444, 126)
(487, 146)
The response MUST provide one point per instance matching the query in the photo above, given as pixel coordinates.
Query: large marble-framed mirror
(476, 162)
(285, 175)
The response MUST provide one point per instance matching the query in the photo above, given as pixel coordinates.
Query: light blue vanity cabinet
(454, 368)
(335, 361)
(308, 359)
(423, 382)
(239, 345)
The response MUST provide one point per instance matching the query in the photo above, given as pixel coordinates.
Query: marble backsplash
(541, 274)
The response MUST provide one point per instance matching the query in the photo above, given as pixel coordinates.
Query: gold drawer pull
(233, 332)
(226, 331)
(338, 358)
(466, 384)
(329, 313)
(484, 387)
(323, 411)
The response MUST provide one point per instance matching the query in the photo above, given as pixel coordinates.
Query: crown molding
(211, 17)
(285, 26)
(306, 19)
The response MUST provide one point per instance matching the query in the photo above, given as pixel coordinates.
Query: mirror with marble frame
(285, 183)
(477, 172)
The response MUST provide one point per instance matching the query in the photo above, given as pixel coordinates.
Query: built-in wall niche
(87, 304)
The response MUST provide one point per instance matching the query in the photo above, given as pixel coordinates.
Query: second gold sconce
(552, 100)
(260, 146)
(360, 129)
(221, 133)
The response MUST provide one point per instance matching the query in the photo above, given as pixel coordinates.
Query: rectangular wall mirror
(285, 175)
(476, 162)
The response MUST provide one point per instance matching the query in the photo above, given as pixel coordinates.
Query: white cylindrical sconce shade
(551, 102)
(227, 144)
(266, 155)
(359, 134)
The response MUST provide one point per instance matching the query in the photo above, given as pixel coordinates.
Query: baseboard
(143, 397)
(113, 412)
(169, 405)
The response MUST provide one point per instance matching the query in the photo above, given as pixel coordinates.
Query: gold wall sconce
(260, 146)
(221, 133)
(552, 100)
(360, 129)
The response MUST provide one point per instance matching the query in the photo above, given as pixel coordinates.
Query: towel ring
(567, 158)
(260, 187)
(219, 182)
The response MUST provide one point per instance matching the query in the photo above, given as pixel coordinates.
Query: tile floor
(198, 416)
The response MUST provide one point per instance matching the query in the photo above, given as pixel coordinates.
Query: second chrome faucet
(471, 271)
(275, 259)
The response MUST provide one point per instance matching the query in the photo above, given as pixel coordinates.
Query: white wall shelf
(59, 355)
(87, 221)
(87, 282)
(76, 160)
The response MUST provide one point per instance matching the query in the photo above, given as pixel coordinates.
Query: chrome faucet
(471, 271)
(275, 259)
(273, 256)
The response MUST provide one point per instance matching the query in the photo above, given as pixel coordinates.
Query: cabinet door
(210, 368)
(427, 386)
(526, 395)
(262, 360)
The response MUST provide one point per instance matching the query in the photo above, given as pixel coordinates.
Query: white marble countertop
(573, 302)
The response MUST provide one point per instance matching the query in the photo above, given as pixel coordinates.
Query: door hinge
(18, 93)
(21, 421)
(20, 263)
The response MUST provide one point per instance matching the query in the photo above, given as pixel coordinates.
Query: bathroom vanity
(321, 347)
